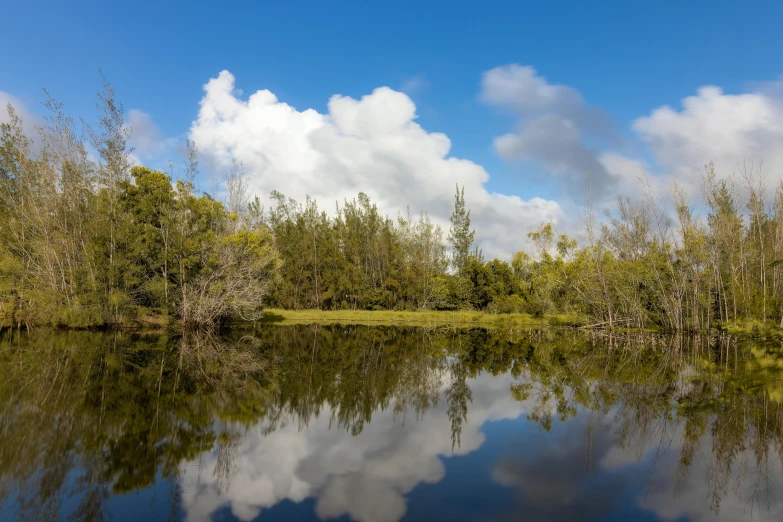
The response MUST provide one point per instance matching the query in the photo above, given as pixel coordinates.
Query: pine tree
(460, 234)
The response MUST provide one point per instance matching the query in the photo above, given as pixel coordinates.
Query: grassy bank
(471, 318)
(753, 327)
(145, 322)
(414, 318)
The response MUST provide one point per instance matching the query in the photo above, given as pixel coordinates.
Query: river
(387, 424)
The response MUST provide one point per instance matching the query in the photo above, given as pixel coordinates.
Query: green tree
(460, 235)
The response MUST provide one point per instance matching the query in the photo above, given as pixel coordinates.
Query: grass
(72, 321)
(753, 326)
(414, 318)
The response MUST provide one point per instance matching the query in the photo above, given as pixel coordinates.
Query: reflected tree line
(87, 415)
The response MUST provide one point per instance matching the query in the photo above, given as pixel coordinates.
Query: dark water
(385, 424)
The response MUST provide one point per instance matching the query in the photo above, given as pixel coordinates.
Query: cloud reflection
(366, 476)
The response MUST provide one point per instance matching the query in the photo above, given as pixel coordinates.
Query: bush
(78, 316)
(506, 304)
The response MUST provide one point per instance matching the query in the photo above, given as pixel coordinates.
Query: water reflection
(383, 424)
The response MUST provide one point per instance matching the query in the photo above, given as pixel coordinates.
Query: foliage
(87, 243)
(640, 269)
(88, 415)
(460, 235)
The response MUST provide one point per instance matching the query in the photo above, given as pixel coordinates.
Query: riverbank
(473, 318)
(153, 323)
(466, 318)
(363, 317)
(413, 318)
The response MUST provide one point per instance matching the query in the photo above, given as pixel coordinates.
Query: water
(382, 424)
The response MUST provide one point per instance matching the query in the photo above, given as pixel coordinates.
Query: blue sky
(625, 59)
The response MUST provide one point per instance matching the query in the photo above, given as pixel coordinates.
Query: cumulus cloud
(566, 138)
(372, 144)
(554, 127)
(29, 120)
(552, 140)
(522, 89)
(578, 471)
(146, 138)
(731, 130)
(365, 477)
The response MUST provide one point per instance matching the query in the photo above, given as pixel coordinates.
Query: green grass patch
(753, 327)
(414, 318)
(571, 320)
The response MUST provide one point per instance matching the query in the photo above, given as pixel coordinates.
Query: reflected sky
(365, 477)
(506, 468)
(388, 425)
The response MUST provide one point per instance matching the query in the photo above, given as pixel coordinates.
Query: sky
(525, 104)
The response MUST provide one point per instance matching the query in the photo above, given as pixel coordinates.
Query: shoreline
(442, 318)
(409, 318)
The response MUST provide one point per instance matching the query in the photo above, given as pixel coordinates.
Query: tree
(460, 235)
(86, 243)
(112, 143)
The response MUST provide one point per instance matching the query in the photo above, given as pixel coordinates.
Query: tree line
(686, 268)
(87, 239)
(92, 414)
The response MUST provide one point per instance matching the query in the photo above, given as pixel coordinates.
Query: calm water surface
(385, 424)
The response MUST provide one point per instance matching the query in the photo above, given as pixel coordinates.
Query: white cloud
(593, 466)
(727, 129)
(582, 472)
(559, 132)
(519, 87)
(553, 129)
(372, 144)
(145, 137)
(553, 141)
(749, 493)
(147, 141)
(365, 477)
(29, 120)
(415, 84)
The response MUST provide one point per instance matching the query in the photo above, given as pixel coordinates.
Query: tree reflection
(661, 392)
(89, 415)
